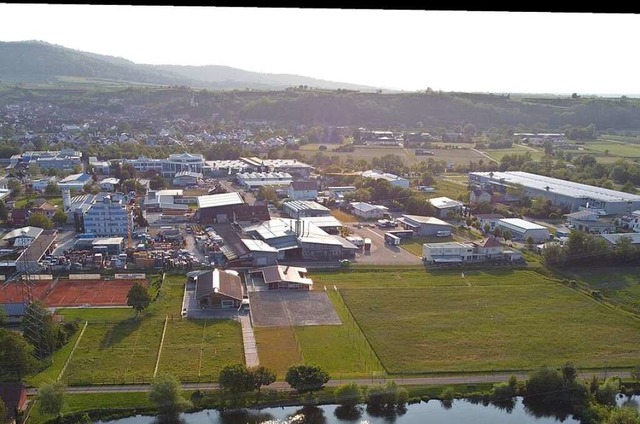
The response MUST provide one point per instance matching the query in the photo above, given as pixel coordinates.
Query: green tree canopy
(306, 378)
(51, 398)
(349, 395)
(235, 378)
(16, 356)
(166, 395)
(138, 297)
(38, 219)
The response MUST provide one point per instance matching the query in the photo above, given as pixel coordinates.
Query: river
(432, 412)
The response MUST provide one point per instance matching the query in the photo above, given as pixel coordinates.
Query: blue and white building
(107, 217)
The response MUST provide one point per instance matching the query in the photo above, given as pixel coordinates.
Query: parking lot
(382, 253)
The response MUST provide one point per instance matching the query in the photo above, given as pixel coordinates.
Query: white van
(443, 233)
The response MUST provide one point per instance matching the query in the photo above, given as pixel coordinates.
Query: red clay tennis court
(73, 292)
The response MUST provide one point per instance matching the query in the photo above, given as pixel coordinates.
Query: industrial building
(424, 225)
(575, 196)
(521, 230)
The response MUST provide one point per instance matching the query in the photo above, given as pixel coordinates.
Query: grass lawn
(197, 350)
(485, 321)
(115, 352)
(498, 154)
(342, 350)
(615, 148)
(88, 401)
(277, 349)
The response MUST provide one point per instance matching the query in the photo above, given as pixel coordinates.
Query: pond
(433, 412)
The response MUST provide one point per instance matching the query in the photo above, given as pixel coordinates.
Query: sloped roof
(489, 242)
(32, 232)
(220, 282)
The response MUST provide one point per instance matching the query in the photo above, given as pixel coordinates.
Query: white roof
(555, 185)
(445, 202)
(522, 224)
(110, 180)
(221, 199)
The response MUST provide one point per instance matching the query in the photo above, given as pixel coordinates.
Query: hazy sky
(496, 52)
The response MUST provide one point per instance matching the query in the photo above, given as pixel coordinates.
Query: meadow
(483, 321)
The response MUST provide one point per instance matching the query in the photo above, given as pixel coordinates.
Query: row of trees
(582, 248)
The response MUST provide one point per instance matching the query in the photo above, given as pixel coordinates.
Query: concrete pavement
(248, 340)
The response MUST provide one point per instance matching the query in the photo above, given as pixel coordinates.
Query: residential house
(45, 208)
(303, 190)
(219, 289)
(14, 397)
(282, 277)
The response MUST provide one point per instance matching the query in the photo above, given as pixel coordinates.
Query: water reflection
(479, 411)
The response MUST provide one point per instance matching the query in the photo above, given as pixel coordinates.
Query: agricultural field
(498, 154)
(483, 321)
(453, 155)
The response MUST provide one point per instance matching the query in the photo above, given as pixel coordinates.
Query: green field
(498, 154)
(621, 285)
(483, 321)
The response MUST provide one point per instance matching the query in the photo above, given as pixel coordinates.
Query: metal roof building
(574, 195)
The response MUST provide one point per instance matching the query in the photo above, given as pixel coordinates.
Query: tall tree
(51, 399)
(166, 395)
(306, 378)
(16, 356)
(38, 219)
(235, 378)
(138, 297)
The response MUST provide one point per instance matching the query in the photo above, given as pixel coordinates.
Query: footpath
(402, 381)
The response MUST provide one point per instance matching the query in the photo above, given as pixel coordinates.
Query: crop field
(485, 321)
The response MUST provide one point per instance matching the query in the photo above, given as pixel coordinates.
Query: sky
(457, 50)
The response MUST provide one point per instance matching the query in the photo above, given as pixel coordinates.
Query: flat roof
(445, 202)
(301, 205)
(521, 223)
(613, 238)
(566, 188)
(221, 199)
(426, 220)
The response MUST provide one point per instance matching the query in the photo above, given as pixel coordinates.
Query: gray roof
(567, 188)
(425, 220)
(521, 224)
(221, 199)
(300, 205)
(32, 232)
(613, 238)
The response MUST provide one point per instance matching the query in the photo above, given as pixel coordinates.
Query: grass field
(118, 347)
(484, 321)
(277, 348)
(620, 285)
(498, 154)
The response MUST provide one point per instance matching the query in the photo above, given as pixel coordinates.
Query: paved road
(406, 381)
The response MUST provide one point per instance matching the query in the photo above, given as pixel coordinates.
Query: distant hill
(41, 62)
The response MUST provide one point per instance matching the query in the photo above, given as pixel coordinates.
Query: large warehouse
(560, 192)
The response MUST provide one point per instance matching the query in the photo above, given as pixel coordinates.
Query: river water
(432, 412)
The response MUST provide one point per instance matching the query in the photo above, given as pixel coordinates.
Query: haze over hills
(41, 62)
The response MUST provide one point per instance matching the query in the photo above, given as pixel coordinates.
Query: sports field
(66, 292)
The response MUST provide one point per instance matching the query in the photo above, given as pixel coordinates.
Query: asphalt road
(400, 380)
